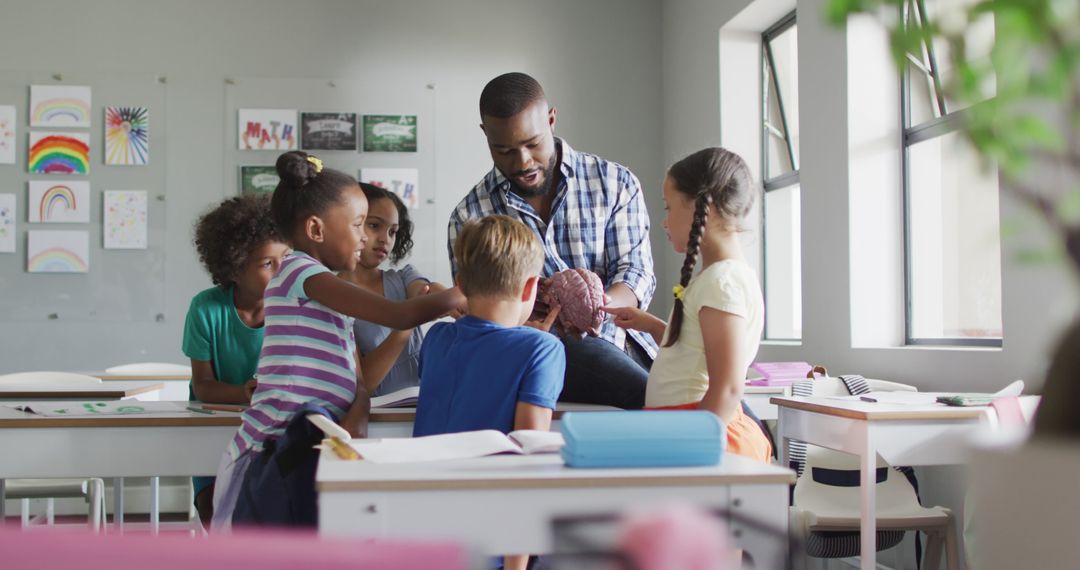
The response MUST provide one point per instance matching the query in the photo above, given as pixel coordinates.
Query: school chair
(826, 499)
(92, 489)
(151, 368)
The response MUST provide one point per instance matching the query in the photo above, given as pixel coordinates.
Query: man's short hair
(495, 255)
(509, 94)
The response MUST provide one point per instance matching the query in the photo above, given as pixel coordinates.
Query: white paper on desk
(901, 398)
(404, 398)
(435, 447)
(93, 409)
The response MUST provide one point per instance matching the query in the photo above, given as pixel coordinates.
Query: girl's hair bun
(295, 169)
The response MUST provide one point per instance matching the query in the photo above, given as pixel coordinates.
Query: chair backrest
(830, 483)
(831, 386)
(149, 368)
(48, 379)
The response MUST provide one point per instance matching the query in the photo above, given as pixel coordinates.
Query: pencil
(225, 407)
(342, 449)
(198, 410)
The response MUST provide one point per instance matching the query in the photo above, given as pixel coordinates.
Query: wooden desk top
(111, 391)
(872, 411)
(543, 471)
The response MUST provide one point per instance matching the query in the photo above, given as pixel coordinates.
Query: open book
(404, 398)
(461, 445)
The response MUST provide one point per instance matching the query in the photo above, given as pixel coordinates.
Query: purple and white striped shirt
(308, 355)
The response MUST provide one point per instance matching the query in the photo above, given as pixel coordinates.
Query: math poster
(328, 131)
(401, 181)
(389, 133)
(7, 134)
(7, 223)
(125, 219)
(258, 179)
(267, 129)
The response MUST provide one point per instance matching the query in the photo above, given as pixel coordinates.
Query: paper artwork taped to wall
(389, 133)
(266, 129)
(125, 219)
(59, 153)
(328, 131)
(57, 252)
(127, 136)
(7, 134)
(56, 202)
(258, 179)
(59, 106)
(400, 181)
(7, 223)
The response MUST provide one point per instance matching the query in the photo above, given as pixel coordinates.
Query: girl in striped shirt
(309, 351)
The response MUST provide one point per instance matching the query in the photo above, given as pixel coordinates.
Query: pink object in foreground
(265, 550)
(676, 536)
(580, 293)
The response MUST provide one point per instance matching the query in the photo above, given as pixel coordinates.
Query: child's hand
(628, 317)
(249, 388)
(549, 320)
(355, 421)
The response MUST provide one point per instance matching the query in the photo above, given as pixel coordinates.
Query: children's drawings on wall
(59, 153)
(389, 133)
(59, 106)
(7, 223)
(258, 179)
(58, 202)
(400, 181)
(125, 219)
(7, 134)
(328, 131)
(57, 252)
(127, 136)
(266, 129)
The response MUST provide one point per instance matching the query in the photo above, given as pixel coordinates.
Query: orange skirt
(744, 437)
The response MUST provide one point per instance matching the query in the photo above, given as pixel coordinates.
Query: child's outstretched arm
(723, 335)
(377, 363)
(634, 318)
(208, 388)
(348, 299)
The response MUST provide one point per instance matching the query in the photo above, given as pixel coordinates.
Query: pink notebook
(779, 373)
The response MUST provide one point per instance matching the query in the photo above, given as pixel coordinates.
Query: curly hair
(226, 235)
(403, 242)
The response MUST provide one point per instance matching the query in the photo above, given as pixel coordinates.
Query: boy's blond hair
(495, 255)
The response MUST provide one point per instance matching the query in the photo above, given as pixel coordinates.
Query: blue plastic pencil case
(642, 439)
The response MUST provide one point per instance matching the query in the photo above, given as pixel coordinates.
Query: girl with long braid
(718, 316)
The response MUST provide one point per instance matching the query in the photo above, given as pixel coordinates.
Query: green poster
(389, 133)
(258, 179)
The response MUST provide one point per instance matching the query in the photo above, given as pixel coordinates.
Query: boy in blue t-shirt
(486, 370)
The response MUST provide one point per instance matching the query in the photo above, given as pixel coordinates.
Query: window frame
(942, 124)
(788, 179)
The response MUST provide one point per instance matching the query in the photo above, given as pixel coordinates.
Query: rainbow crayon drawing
(59, 153)
(59, 202)
(57, 252)
(127, 136)
(59, 106)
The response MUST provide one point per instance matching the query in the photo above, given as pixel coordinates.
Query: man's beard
(542, 189)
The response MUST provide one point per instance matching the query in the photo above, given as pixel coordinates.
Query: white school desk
(176, 385)
(103, 391)
(902, 434)
(505, 503)
(758, 398)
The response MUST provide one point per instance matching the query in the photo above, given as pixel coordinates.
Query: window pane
(783, 264)
(785, 76)
(954, 242)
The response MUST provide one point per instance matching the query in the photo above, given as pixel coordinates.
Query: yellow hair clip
(316, 162)
(679, 292)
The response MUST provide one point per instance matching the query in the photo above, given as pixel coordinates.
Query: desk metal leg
(118, 504)
(3, 499)
(155, 487)
(868, 481)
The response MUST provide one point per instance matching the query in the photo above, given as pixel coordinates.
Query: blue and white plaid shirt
(598, 222)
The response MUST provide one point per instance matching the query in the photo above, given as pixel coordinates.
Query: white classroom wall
(599, 61)
(851, 264)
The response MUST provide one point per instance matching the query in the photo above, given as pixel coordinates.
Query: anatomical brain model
(580, 294)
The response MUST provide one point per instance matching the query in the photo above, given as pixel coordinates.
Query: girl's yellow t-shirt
(680, 375)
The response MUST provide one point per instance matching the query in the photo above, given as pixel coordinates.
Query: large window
(782, 263)
(952, 235)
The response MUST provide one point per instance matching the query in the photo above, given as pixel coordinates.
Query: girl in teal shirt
(223, 334)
